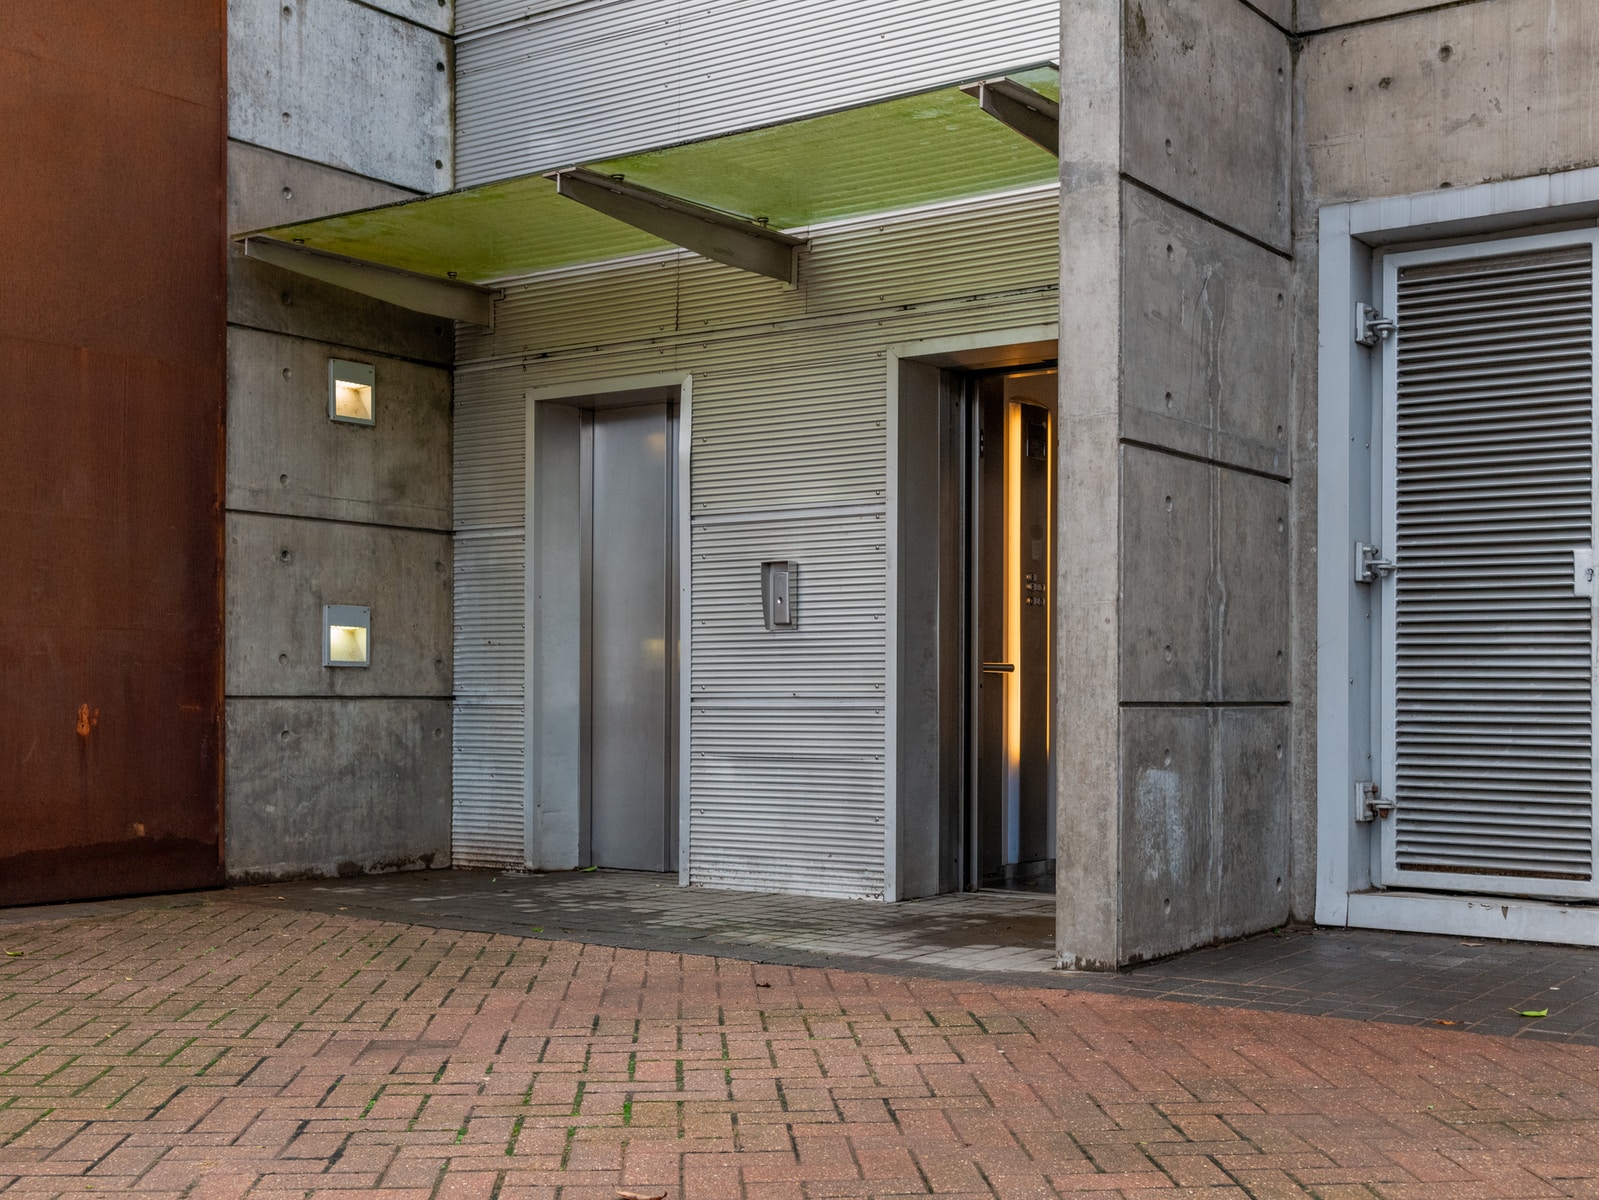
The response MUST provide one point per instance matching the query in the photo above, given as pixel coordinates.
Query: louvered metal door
(1488, 493)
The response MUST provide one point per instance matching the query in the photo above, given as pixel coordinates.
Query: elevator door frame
(556, 808)
(928, 758)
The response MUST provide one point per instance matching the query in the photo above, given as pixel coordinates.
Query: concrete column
(335, 105)
(1173, 739)
(1087, 585)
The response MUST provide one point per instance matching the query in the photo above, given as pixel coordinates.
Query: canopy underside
(901, 153)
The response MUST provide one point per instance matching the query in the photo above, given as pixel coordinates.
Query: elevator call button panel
(777, 593)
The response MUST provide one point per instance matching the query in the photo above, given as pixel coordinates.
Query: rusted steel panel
(112, 386)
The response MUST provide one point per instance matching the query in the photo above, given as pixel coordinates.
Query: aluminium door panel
(630, 638)
(1488, 498)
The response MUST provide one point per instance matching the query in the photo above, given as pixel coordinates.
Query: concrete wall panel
(282, 570)
(1322, 14)
(336, 787)
(1208, 313)
(1455, 96)
(286, 456)
(1281, 12)
(335, 105)
(1168, 625)
(1168, 873)
(342, 84)
(435, 14)
(1252, 761)
(266, 188)
(1252, 614)
(266, 297)
(1207, 110)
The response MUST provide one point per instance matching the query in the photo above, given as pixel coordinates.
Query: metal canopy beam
(406, 289)
(736, 241)
(1035, 117)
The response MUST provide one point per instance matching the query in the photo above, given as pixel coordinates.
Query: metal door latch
(1369, 803)
(1370, 565)
(1371, 326)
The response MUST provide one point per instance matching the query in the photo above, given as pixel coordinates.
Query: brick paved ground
(996, 937)
(225, 1049)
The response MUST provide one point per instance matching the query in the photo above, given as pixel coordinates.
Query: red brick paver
(231, 1050)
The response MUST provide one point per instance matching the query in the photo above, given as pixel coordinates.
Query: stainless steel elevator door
(632, 638)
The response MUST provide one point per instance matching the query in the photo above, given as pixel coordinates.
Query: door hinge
(1371, 326)
(1370, 565)
(1369, 803)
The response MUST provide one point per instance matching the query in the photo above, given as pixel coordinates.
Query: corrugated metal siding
(527, 74)
(490, 627)
(490, 773)
(788, 732)
(1493, 681)
(756, 446)
(786, 764)
(670, 297)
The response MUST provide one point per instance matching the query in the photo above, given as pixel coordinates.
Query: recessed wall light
(346, 635)
(352, 392)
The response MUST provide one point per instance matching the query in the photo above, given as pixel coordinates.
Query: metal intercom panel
(777, 594)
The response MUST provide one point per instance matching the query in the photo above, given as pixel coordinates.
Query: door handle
(999, 668)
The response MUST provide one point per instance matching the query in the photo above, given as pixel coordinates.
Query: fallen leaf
(763, 985)
(640, 1196)
(1443, 1022)
(586, 870)
(538, 929)
(13, 953)
(1474, 945)
(1530, 1012)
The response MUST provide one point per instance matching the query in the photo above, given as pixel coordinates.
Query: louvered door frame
(1487, 651)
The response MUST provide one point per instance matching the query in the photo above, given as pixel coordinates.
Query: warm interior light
(352, 401)
(347, 643)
